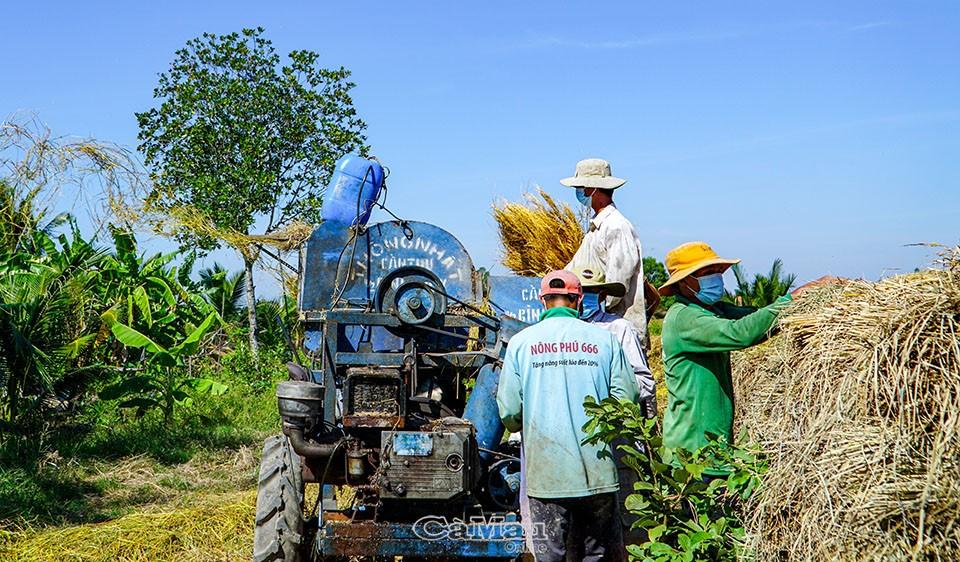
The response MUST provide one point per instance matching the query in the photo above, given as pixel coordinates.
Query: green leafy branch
(687, 513)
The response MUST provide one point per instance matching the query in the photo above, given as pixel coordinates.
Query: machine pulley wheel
(503, 484)
(412, 294)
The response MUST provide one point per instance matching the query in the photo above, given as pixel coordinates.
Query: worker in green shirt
(699, 332)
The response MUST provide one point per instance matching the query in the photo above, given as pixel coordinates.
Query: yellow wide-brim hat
(688, 258)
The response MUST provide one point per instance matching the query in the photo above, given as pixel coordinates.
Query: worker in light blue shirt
(548, 370)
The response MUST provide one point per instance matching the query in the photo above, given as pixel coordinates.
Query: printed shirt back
(548, 370)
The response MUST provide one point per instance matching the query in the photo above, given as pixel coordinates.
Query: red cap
(571, 284)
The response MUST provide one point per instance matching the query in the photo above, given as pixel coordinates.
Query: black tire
(278, 531)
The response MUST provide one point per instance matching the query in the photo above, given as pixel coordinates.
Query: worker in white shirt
(611, 242)
(596, 289)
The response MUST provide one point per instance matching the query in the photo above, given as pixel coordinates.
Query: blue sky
(823, 133)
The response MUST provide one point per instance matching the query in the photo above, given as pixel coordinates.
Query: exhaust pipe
(301, 405)
(306, 448)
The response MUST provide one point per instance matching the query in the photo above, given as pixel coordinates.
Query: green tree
(223, 290)
(656, 274)
(763, 289)
(50, 285)
(654, 271)
(247, 142)
(282, 328)
(19, 219)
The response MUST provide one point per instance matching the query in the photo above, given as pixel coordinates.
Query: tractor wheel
(278, 531)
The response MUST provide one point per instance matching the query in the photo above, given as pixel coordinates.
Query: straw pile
(858, 405)
(539, 235)
(170, 222)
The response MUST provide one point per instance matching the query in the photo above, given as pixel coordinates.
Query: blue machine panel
(517, 297)
(344, 267)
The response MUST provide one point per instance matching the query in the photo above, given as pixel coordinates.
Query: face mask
(582, 197)
(590, 305)
(711, 288)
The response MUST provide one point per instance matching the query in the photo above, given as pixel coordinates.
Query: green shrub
(686, 515)
(258, 373)
(164, 381)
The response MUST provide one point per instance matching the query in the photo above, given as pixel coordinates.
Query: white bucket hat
(593, 172)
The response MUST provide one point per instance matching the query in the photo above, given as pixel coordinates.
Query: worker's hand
(821, 282)
(651, 298)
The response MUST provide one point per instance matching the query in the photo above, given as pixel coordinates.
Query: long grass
(116, 488)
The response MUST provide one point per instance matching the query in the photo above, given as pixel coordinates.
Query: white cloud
(870, 25)
(686, 37)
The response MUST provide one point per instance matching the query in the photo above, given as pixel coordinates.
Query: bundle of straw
(170, 222)
(538, 236)
(858, 405)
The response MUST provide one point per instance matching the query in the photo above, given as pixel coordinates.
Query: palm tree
(45, 318)
(52, 287)
(763, 289)
(223, 290)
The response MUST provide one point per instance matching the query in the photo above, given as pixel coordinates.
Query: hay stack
(538, 236)
(858, 405)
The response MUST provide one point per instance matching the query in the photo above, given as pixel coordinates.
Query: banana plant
(160, 384)
(136, 282)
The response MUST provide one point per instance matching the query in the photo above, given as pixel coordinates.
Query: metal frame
(499, 538)
(345, 267)
(332, 357)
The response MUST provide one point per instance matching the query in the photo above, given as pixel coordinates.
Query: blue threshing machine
(394, 421)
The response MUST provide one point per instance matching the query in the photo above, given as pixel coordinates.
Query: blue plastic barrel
(482, 411)
(354, 188)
